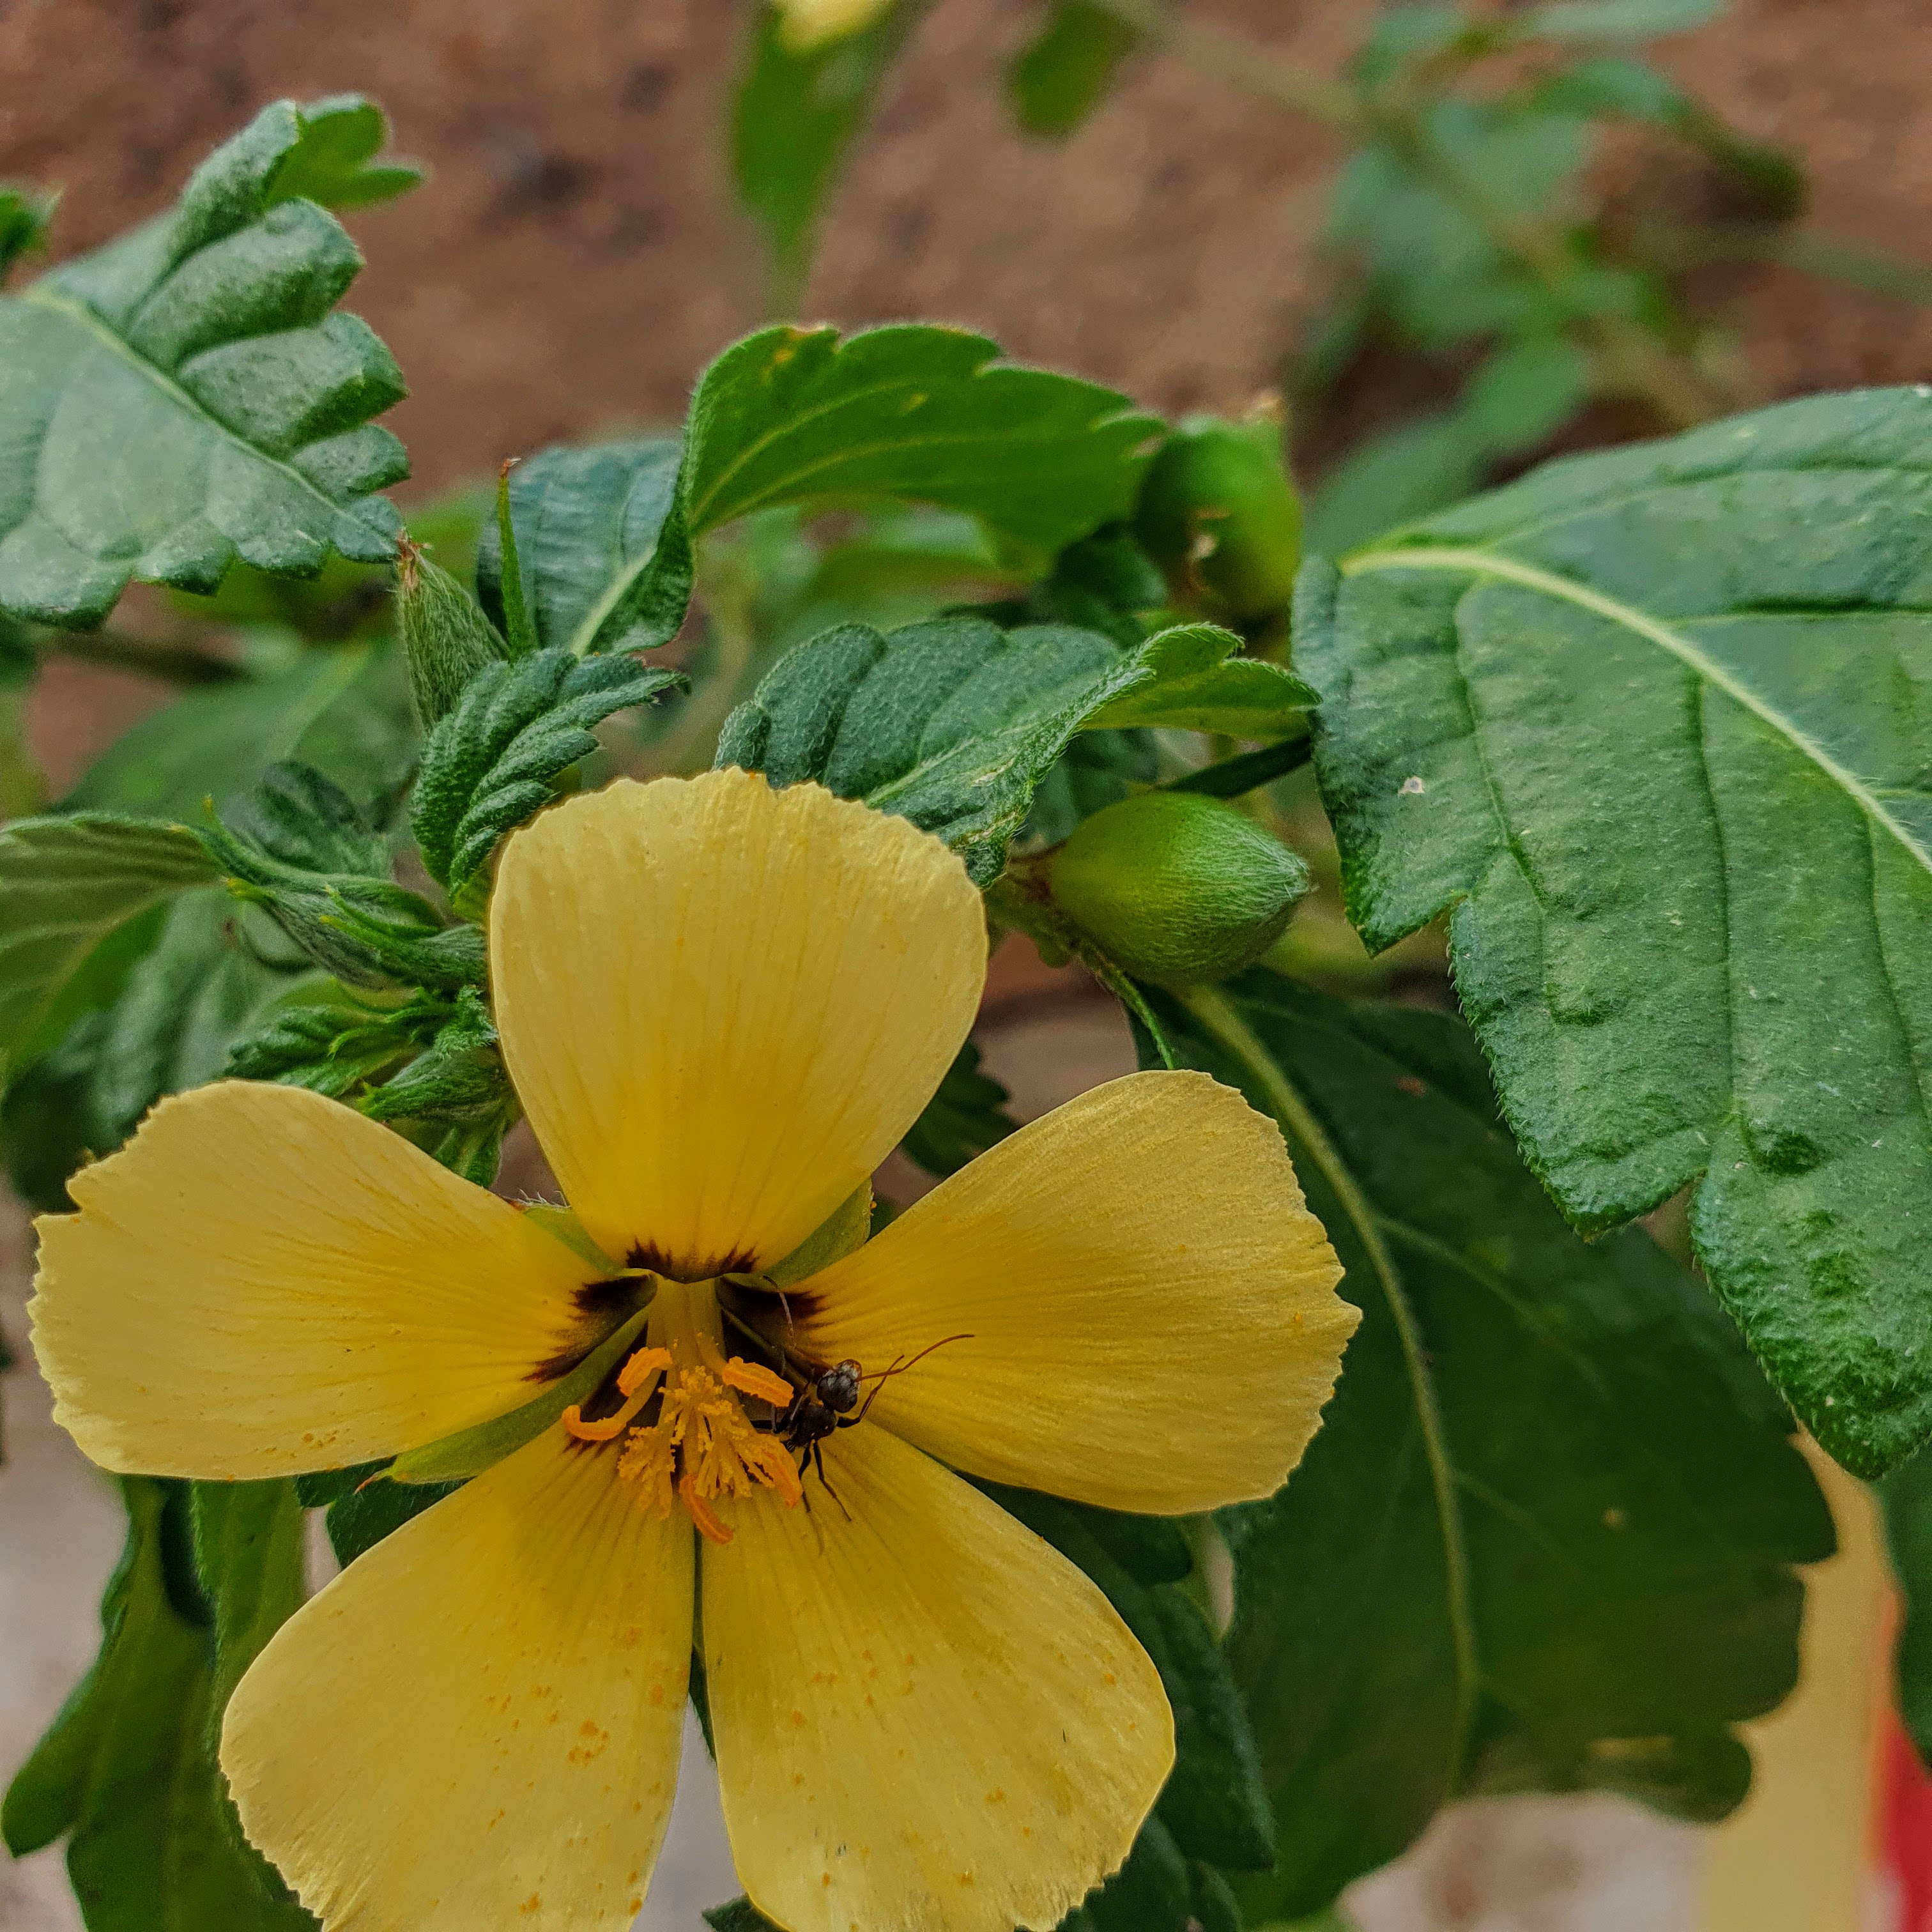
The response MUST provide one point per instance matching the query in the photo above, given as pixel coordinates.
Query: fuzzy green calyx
(446, 638)
(1222, 517)
(1176, 888)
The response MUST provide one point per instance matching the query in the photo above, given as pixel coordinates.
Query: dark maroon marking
(739, 1261)
(605, 1297)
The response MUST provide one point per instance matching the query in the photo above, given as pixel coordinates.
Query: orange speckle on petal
(533, 1903)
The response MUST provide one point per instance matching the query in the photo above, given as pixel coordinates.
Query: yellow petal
(263, 1281)
(927, 1719)
(476, 1725)
(1151, 1307)
(722, 1006)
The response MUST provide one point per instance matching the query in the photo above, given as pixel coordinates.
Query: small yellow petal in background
(807, 24)
(927, 1719)
(1152, 1308)
(476, 1725)
(263, 1281)
(723, 1005)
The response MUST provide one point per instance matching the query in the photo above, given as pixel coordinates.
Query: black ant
(825, 1401)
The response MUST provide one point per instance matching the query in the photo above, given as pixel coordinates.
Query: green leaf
(1214, 1805)
(250, 1554)
(364, 1506)
(908, 411)
(344, 710)
(1648, 726)
(795, 117)
(1620, 20)
(740, 1915)
(1152, 1892)
(587, 520)
(24, 217)
(953, 724)
(329, 164)
(127, 1773)
(1543, 1540)
(65, 884)
(1524, 393)
(1246, 771)
(184, 396)
(1405, 472)
(492, 763)
(1068, 68)
(966, 1117)
(1906, 1497)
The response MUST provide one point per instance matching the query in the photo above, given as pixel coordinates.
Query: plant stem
(119, 650)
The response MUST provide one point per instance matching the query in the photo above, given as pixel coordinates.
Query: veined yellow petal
(723, 1005)
(927, 1719)
(263, 1281)
(476, 1725)
(1150, 1307)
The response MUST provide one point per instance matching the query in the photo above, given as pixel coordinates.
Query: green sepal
(24, 217)
(446, 639)
(561, 1225)
(842, 1233)
(456, 1458)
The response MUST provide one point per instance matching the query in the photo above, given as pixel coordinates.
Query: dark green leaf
(344, 710)
(1244, 773)
(249, 1554)
(1213, 1907)
(366, 1506)
(587, 521)
(184, 396)
(797, 114)
(1906, 1495)
(24, 217)
(1099, 768)
(1150, 1893)
(1068, 67)
(739, 1916)
(1214, 1804)
(490, 765)
(966, 1117)
(1544, 1540)
(127, 1773)
(908, 411)
(953, 724)
(65, 884)
(1652, 723)
(1407, 472)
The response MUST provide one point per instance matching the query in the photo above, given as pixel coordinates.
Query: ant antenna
(900, 1364)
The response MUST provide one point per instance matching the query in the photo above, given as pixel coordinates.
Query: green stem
(1218, 1017)
(117, 650)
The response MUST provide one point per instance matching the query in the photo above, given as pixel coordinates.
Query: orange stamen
(701, 1513)
(739, 1374)
(635, 1381)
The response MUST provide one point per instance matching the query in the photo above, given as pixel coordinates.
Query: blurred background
(1667, 229)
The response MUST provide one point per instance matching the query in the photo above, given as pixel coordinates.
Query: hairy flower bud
(446, 638)
(1176, 888)
(1220, 514)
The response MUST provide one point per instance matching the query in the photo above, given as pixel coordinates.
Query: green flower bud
(446, 638)
(1221, 516)
(1176, 888)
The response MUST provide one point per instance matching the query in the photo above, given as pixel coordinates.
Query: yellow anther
(761, 1382)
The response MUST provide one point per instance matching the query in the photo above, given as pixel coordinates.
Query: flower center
(698, 1444)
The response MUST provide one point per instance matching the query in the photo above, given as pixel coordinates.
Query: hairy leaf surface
(185, 395)
(1653, 727)
(955, 723)
(1543, 1539)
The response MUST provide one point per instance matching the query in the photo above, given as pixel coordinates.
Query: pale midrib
(1486, 563)
(84, 317)
(1219, 1015)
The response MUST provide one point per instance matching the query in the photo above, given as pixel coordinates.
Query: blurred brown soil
(575, 259)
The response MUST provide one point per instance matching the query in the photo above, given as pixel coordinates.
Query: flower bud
(1221, 516)
(1176, 888)
(446, 638)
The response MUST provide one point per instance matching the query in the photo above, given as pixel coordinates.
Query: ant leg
(818, 1463)
(804, 1495)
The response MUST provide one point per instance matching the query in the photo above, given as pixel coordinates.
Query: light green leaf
(797, 114)
(1544, 1538)
(343, 709)
(955, 723)
(1392, 478)
(1620, 20)
(1199, 684)
(65, 884)
(908, 412)
(1652, 727)
(249, 1551)
(330, 163)
(184, 395)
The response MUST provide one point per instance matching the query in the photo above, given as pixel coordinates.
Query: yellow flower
(806, 24)
(722, 1006)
